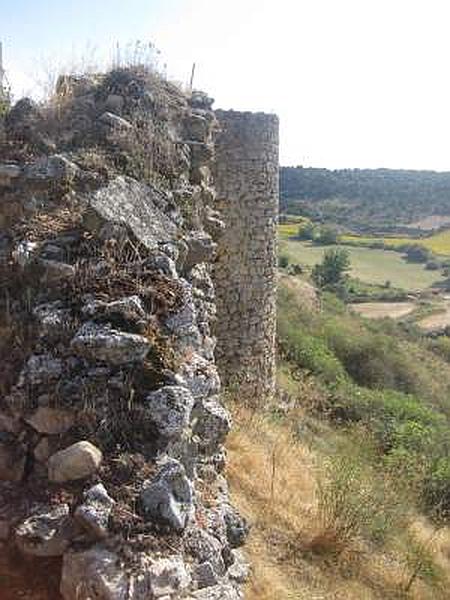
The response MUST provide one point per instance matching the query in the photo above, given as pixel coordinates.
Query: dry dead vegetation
(324, 526)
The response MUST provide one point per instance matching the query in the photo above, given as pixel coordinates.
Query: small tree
(418, 254)
(327, 236)
(333, 268)
(283, 261)
(306, 231)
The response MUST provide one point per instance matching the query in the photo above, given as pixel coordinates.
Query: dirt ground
(21, 579)
(379, 310)
(440, 320)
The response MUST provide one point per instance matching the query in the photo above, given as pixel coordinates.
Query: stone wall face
(112, 428)
(246, 180)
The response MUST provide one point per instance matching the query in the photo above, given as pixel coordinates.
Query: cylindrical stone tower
(246, 179)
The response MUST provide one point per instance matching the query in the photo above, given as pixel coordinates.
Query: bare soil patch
(438, 321)
(380, 310)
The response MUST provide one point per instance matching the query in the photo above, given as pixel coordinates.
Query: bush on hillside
(306, 231)
(418, 254)
(383, 378)
(333, 268)
(326, 236)
(283, 261)
(441, 347)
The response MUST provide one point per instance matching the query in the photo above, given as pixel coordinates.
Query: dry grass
(274, 481)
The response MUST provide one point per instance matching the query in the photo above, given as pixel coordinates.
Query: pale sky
(356, 83)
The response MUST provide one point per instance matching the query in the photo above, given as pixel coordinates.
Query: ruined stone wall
(111, 421)
(246, 179)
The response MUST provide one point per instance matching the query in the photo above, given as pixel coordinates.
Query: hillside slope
(345, 478)
(365, 198)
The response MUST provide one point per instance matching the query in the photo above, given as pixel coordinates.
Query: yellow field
(290, 229)
(287, 230)
(439, 243)
(388, 241)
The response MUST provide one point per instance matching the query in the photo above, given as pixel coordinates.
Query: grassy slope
(369, 265)
(287, 524)
(277, 468)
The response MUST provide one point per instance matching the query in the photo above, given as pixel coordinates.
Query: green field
(368, 265)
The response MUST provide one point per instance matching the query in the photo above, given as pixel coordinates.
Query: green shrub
(433, 265)
(335, 264)
(325, 236)
(382, 377)
(436, 488)
(310, 353)
(306, 231)
(283, 261)
(441, 346)
(418, 254)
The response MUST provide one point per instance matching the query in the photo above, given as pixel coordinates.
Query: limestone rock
(240, 569)
(197, 127)
(55, 272)
(204, 575)
(205, 548)
(93, 573)
(45, 533)
(56, 167)
(139, 207)
(99, 342)
(218, 592)
(10, 171)
(41, 369)
(52, 319)
(169, 497)
(213, 424)
(237, 528)
(129, 309)
(22, 124)
(170, 409)
(183, 321)
(98, 573)
(78, 461)
(200, 99)
(166, 577)
(114, 103)
(52, 421)
(76, 85)
(162, 263)
(25, 253)
(116, 122)
(201, 248)
(213, 223)
(94, 513)
(12, 458)
(200, 376)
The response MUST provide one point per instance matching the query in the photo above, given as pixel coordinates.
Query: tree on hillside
(418, 254)
(326, 236)
(333, 268)
(306, 231)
